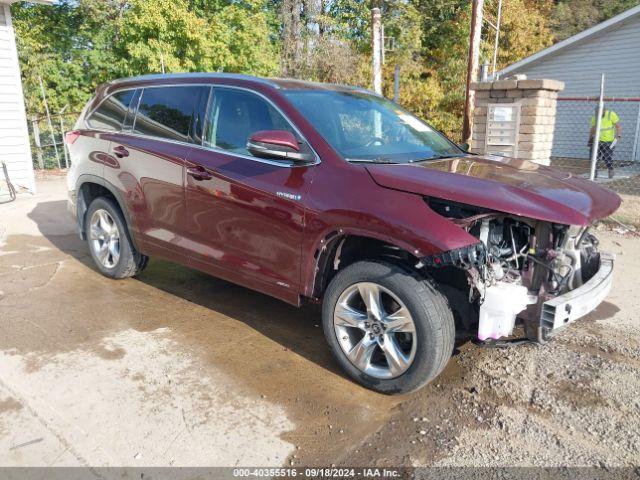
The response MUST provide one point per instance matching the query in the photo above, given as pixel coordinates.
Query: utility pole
(497, 38)
(472, 67)
(376, 41)
(382, 57)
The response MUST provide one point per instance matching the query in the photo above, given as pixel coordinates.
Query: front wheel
(390, 329)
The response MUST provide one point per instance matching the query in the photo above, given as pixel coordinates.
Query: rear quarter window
(111, 113)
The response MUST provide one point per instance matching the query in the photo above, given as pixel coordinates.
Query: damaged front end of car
(525, 271)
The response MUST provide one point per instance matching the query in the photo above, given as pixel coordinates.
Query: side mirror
(279, 145)
(464, 146)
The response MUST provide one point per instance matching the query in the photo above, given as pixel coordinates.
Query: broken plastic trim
(472, 256)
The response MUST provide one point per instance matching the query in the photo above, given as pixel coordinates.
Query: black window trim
(133, 110)
(212, 86)
(87, 115)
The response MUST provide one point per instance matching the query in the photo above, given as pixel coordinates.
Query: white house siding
(15, 149)
(614, 52)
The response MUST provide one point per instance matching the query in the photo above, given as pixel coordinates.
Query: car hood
(509, 185)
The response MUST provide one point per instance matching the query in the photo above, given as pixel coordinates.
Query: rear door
(105, 122)
(245, 214)
(150, 165)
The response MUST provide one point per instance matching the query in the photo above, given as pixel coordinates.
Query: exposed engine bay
(517, 265)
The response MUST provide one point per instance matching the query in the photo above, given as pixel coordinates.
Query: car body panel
(247, 219)
(94, 147)
(398, 218)
(503, 184)
(150, 181)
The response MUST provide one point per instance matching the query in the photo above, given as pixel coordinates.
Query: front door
(246, 215)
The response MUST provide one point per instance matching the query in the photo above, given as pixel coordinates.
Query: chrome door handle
(199, 173)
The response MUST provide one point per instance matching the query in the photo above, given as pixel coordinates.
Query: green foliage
(232, 38)
(74, 45)
(573, 16)
(68, 45)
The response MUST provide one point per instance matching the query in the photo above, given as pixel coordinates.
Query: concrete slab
(172, 368)
(179, 368)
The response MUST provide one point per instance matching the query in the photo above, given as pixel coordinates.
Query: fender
(329, 236)
(82, 207)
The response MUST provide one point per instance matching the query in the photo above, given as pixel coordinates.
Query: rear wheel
(391, 330)
(109, 241)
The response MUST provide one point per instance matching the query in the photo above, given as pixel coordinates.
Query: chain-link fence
(47, 140)
(617, 158)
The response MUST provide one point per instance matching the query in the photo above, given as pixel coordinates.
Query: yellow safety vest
(607, 125)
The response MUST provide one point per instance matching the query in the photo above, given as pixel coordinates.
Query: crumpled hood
(509, 185)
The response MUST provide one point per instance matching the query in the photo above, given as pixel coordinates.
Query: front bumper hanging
(564, 309)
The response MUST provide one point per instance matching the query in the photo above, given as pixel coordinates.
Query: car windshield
(363, 127)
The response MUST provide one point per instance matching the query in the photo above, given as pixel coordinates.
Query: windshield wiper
(438, 157)
(371, 160)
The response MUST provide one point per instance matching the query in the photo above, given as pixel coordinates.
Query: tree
(74, 45)
(233, 38)
(69, 46)
(573, 16)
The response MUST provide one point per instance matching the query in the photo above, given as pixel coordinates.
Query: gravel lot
(178, 368)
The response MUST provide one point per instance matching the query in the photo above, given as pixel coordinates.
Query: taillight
(71, 137)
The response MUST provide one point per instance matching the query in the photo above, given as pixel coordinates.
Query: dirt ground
(179, 368)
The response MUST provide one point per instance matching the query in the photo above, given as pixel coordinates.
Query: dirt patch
(572, 402)
(629, 211)
(8, 404)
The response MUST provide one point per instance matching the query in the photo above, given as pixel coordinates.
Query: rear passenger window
(235, 115)
(112, 111)
(168, 112)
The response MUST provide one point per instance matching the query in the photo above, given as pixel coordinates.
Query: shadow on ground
(270, 349)
(296, 329)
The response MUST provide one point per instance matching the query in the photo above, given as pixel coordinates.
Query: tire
(128, 262)
(432, 339)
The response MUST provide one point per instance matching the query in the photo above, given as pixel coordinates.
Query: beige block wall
(537, 100)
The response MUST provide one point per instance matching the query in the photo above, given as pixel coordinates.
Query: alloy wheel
(104, 238)
(375, 330)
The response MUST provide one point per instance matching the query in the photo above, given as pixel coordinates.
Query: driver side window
(234, 115)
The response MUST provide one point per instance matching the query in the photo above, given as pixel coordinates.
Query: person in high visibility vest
(610, 135)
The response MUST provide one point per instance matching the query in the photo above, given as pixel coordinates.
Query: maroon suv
(322, 193)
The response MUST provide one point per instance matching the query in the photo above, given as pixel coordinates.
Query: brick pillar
(537, 101)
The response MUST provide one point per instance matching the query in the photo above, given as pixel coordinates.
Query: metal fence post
(596, 134)
(634, 151)
(64, 144)
(53, 136)
(36, 140)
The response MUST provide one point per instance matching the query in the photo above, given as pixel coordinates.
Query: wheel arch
(342, 247)
(90, 187)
